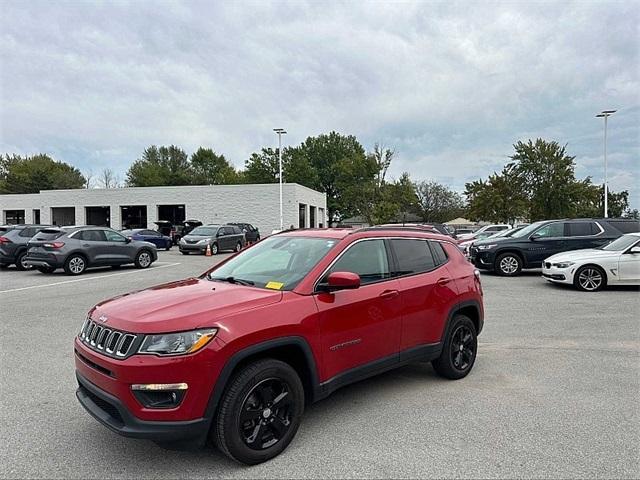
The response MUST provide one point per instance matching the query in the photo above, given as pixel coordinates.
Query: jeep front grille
(108, 341)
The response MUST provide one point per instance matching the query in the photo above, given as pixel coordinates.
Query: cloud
(450, 85)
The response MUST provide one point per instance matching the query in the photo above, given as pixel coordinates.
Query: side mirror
(634, 250)
(341, 281)
(128, 240)
(534, 237)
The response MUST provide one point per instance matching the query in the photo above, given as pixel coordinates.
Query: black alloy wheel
(265, 415)
(459, 350)
(260, 412)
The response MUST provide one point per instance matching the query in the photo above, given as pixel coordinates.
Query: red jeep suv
(238, 352)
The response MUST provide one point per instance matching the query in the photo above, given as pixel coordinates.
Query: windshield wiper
(234, 280)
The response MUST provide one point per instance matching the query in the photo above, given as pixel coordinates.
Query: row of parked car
(76, 248)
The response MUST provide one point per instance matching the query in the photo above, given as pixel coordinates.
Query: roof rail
(401, 228)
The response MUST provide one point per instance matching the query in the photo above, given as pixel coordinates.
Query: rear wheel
(168, 247)
(46, 269)
(459, 350)
(260, 412)
(590, 278)
(143, 259)
(75, 265)
(508, 265)
(20, 259)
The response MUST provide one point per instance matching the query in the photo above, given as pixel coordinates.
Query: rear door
(579, 235)
(361, 326)
(94, 245)
(427, 292)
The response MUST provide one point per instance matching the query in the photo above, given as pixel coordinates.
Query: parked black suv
(13, 244)
(528, 247)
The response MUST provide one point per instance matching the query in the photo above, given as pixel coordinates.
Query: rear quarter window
(439, 255)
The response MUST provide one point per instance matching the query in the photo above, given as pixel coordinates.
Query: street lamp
(280, 132)
(605, 114)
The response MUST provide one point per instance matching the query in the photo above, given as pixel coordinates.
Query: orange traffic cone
(207, 252)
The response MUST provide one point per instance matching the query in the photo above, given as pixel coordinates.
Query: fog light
(160, 395)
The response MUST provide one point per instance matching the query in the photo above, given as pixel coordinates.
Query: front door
(544, 242)
(629, 266)
(363, 325)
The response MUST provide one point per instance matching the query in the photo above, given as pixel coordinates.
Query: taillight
(54, 245)
(5, 240)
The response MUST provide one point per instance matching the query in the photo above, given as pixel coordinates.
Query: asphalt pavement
(554, 393)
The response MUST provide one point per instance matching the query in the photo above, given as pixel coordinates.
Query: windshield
(621, 243)
(278, 262)
(527, 230)
(206, 231)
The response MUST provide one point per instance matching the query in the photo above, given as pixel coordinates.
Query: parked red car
(238, 352)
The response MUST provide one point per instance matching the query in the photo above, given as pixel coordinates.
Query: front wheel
(260, 412)
(238, 247)
(143, 259)
(508, 265)
(459, 350)
(214, 249)
(590, 278)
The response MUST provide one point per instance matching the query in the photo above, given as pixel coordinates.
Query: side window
(114, 236)
(580, 229)
(367, 258)
(414, 256)
(91, 236)
(28, 232)
(237, 230)
(439, 254)
(552, 230)
(150, 233)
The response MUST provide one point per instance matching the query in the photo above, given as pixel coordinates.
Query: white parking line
(89, 278)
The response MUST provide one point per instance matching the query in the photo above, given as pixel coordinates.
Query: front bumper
(105, 392)
(113, 414)
(192, 248)
(558, 275)
(482, 258)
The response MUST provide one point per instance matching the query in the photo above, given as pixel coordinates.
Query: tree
(108, 179)
(437, 203)
(263, 167)
(339, 162)
(160, 166)
(209, 168)
(546, 175)
(39, 172)
(499, 199)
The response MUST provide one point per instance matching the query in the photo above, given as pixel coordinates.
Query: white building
(139, 207)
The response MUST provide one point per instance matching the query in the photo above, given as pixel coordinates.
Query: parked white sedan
(617, 263)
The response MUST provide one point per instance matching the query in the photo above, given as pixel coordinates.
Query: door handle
(86, 245)
(443, 281)
(389, 294)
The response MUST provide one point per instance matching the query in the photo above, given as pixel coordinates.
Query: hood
(182, 305)
(581, 255)
(494, 241)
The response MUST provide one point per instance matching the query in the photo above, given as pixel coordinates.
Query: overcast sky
(450, 86)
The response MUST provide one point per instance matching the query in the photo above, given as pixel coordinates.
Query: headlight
(182, 241)
(487, 247)
(204, 240)
(562, 264)
(177, 343)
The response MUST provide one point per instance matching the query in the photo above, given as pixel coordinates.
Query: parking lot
(554, 393)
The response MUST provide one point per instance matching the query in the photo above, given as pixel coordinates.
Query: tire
(238, 247)
(508, 265)
(20, 265)
(143, 259)
(270, 429)
(75, 264)
(168, 247)
(46, 269)
(590, 278)
(183, 252)
(214, 249)
(454, 363)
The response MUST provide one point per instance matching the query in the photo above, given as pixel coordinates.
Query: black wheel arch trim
(262, 347)
(456, 309)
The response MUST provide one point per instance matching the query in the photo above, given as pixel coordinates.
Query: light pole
(280, 132)
(605, 114)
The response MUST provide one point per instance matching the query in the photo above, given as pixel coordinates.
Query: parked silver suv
(77, 248)
(216, 237)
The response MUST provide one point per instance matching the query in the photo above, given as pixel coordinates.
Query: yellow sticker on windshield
(274, 285)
